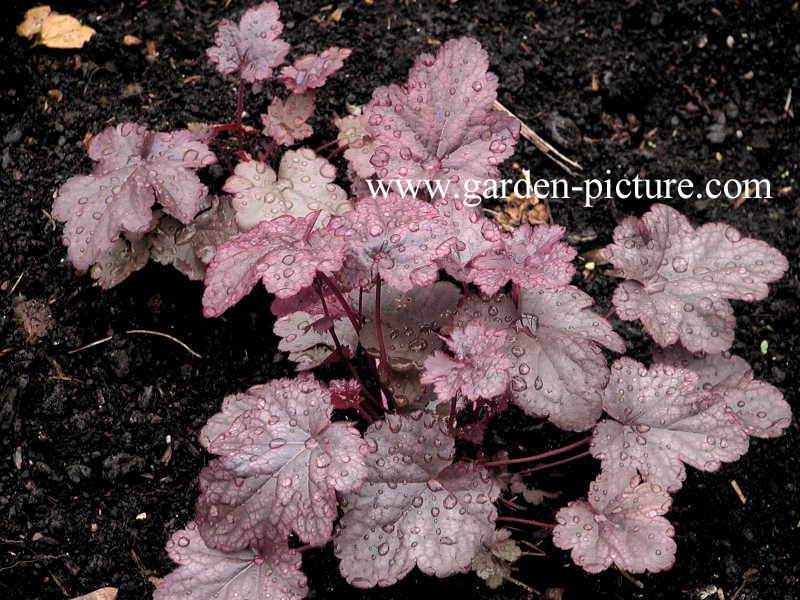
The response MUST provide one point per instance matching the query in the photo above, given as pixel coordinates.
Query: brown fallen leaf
(32, 24)
(131, 40)
(63, 31)
(106, 593)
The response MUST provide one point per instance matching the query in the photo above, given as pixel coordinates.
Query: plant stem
(324, 146)
(340, 349)
(611, 313)
(340, 297)
(525, 522)
(379, 329)
(549, 453)
(555, 463)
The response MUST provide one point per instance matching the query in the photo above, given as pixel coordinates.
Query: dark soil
(90, 487)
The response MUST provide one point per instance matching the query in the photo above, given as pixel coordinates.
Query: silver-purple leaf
(204, 573)
(284, 253)
(678, 280)
(621, 524)
(417, 507)
(135, 169)
(281, 464)
(530, 257)
(441, 125)
(286, 121)
(559, 369)
(171, 248)
(479, 366)
(312, 70)
(303, 184)
(126, 256)
(252, 47)
(759, 406)
(397, 239)
(659, 421)
(411, 322)
(307, 347)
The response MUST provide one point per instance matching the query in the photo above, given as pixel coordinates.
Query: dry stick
(548, 454)
(555, 463)
(91, 345)
(167, 336)
(544, 147)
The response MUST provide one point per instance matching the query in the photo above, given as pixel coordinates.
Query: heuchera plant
(441, 321)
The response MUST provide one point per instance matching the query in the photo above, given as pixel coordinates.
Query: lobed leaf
(312, 70)
(308, 347)
(397, 239)
(659, 421)
(417, 507)
(252, 47)
(286, 121)
(479, 367)
(621, 524)
(531, 257)
(284, 253)
(281, 464)
(135, 168)
(208, 574)
(442, 125)
(678, 280)
(759, 407)
(410, 320)
(303, 184)
(559, 370)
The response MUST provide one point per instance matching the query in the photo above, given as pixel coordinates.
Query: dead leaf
(106, 593)
(63, 31)
(32, 24)
(33, 317)
(131, 40)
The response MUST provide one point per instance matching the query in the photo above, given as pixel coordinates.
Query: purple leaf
(474, 234)
(233, 407)
(304, 183)
(479, 367)
(205, 574)
(356, 134)
(417, 506)
(281, 464)
(531, 257)
(308, 347)
(410, 320)
(679, 279)
(135, 168)
(621, 524)
(312, 70)
(559, 370)
(398, 239)
(284, 253)
(127, 255)
(493, 561)
(170, 247)
(252, 47)
(442, 124)
(661, 421)
(345, 393)
(408, 393)
(759, 406)
(286, 121)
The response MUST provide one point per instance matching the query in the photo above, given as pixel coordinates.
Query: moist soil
(98, 451)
